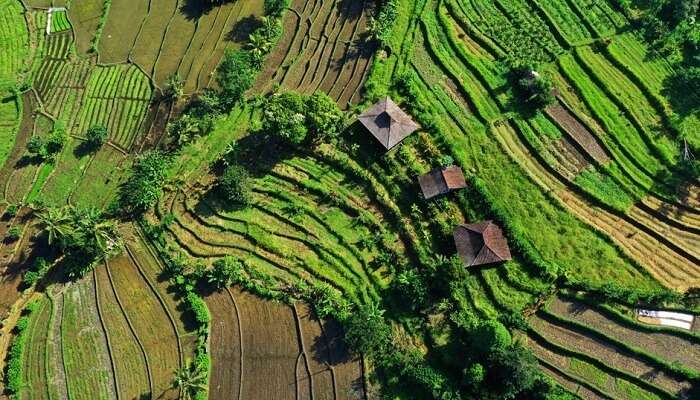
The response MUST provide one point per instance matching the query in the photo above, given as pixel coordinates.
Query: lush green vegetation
(562, 116)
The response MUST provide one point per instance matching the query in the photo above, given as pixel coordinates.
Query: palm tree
(55, 222)
(190, 381)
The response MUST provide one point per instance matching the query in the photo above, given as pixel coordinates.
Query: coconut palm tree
(189, 380)
(55, 222)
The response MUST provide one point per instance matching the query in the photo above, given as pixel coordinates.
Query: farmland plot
(262, 349)
(323, 47)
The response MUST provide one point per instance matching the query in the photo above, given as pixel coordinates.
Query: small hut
(442, 180)
(387, 122)
(481, 243)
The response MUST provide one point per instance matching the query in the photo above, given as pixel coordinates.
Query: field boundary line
(300, 342)
(240, 344)
(63, 355)
(633, 351)
(576, 379)
(104, 328)
(610, 371)
(131, 327)
(162, 43)
(160, 300)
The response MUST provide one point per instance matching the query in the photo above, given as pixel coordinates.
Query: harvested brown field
(663, 345)
(578, 132)
(323, 47)
(262, 349)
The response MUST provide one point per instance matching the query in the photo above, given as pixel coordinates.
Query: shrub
(35, 146)
(56, 139)
(511, 370)
(366, 332)
(284, 115)
(145, 185)
(324, 117)
(488, 337)
(199, 308)
(235, 75)
(13, 233)
(96, 136)
(38, 270)
(11, 210)
(235, 185)
(225, 272)
(275, 7)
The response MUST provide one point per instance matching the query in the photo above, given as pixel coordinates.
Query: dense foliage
(295, 117)
(235, 185)
(96, 136)
(83, 236)
(145, 185)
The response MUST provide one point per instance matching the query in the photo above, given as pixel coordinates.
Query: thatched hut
(441, 181)
(481, 243)
(387, 123)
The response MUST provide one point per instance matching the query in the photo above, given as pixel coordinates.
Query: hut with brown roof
(481, 243)
(387, 122)
(442, 180)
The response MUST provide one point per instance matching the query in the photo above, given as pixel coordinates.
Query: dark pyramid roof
(387, 122)
(481, 243)
(440, 181)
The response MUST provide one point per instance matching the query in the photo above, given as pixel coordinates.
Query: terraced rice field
(261, 349)
(117, 333)
(586, 190)
(324, 47)
(181, 37)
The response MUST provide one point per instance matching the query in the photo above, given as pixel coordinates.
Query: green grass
(14, 41)
(10, 119)
(560, 237)
(605, 189)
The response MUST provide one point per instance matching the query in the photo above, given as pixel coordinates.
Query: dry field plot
(264, 350)
(661, 344)
(323, 47)
(175, 37)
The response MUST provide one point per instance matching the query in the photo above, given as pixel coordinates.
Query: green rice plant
(605, 189)
(59, 22)
(572, 28)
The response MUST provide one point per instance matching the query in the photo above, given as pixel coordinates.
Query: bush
(199, 308)
(235, 75)
(284, 115)
(235, 185)
(11, 210)
(275, 7)
(324, 117)
(13, 233)
(38, 270)
(511, 370)
(488, 337)
(145, 185)
(56, 139)
(225, 272)
(366, 332)
(35, 146)
(96, 136)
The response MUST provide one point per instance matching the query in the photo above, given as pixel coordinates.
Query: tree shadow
(85, 148)
(243, 28)
(194, 9)
(683, 101)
